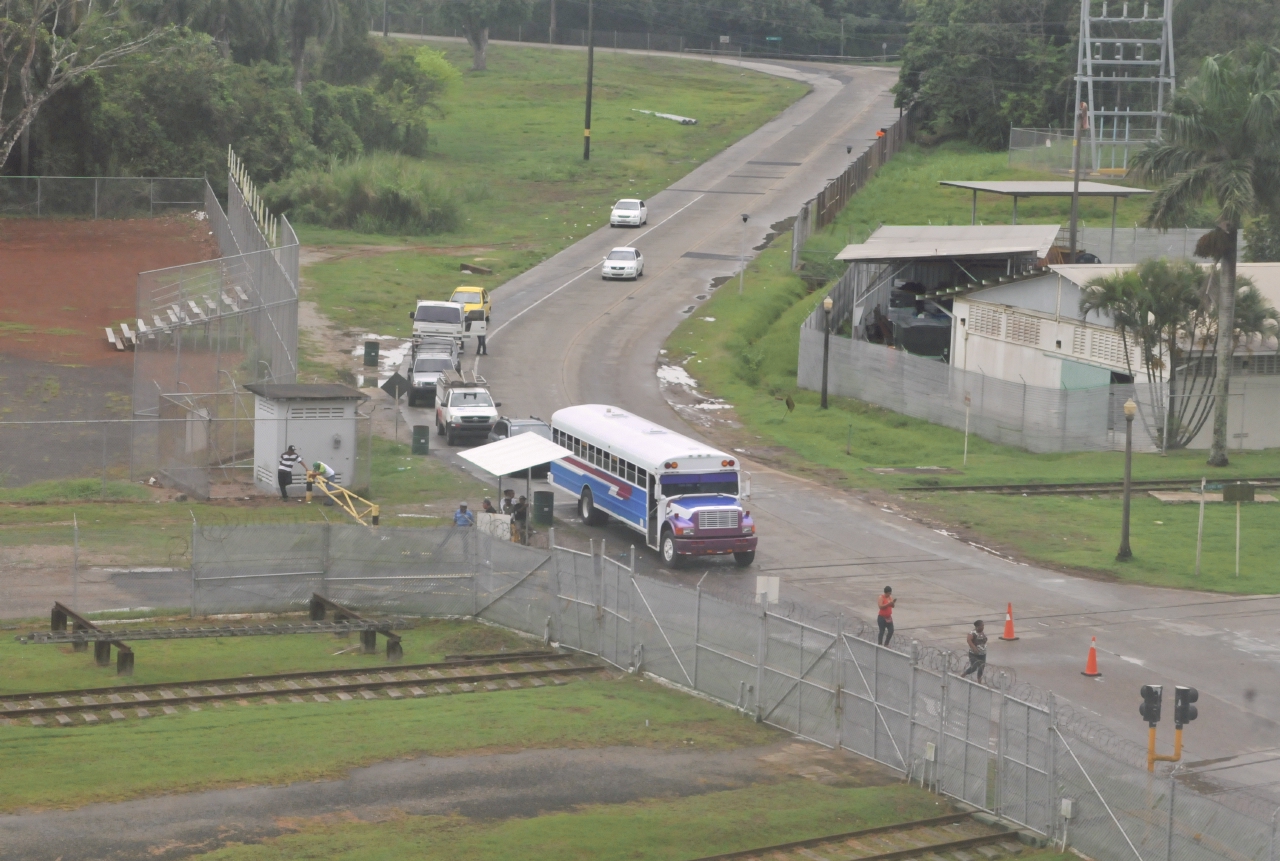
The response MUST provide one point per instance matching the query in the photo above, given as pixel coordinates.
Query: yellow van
(471, 299)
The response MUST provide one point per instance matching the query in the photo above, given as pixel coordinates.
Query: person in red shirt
(885, 618)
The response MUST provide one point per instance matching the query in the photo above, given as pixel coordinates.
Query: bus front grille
(718, 519)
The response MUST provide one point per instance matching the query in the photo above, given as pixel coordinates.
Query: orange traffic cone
(1008, 624)
(1091, 665)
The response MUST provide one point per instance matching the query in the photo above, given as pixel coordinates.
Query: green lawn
(748, 356)
(288, 742)
(511, 143)
(34, 667)
(663, 829)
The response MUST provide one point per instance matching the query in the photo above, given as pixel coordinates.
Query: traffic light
(1183, 710)
(1152, 695)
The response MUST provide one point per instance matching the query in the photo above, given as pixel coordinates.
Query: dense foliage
(378, 193)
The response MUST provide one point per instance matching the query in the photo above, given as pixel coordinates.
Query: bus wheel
(591, 515)
(745, 558)
(669, 556)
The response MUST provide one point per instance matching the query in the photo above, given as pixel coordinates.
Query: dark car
(423, 371)
(508, 427)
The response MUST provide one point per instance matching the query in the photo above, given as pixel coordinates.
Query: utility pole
(1081, 119)
(551, 31)
(591, 67)
(385, 21)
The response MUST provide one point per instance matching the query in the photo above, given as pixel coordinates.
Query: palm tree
(305, 19)
(1223, 142)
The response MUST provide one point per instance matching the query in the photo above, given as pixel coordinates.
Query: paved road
(562, 336)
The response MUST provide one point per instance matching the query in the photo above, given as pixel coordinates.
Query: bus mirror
(746, 485)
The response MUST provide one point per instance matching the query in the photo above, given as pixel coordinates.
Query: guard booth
(320, 420)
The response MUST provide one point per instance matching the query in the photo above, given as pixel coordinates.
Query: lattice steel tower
(1125, 73)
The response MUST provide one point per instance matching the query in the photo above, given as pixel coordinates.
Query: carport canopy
(1045, 188)
(514, 454)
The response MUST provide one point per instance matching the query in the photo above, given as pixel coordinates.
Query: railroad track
(957, 837)
(1086, 486)
(461, 674)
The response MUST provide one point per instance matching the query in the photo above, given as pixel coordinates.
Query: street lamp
(1130, 410)
(826, 344)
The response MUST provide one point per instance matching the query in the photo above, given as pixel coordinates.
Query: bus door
(652, 520)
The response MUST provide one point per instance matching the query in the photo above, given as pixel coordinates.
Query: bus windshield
(716, 482)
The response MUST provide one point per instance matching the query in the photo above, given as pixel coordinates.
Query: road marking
(583, 272)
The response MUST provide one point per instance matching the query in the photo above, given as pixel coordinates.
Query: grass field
(511, 143)
(41, 668)
(666, 829)
(748, 357)
(273, 744)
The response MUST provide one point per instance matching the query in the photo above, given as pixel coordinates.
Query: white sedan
(623, 263)
(629, 213)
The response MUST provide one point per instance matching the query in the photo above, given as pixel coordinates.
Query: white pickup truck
(464, 407)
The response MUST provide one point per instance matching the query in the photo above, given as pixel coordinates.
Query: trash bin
(544, 503)
(371, 354)
(421, 438)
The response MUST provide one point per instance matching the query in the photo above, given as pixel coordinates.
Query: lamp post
(1130, 410)
(1082, 124)
(826, 345)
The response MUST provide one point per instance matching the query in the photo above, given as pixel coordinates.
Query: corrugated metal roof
(306, 391)
(1048, 188)
(935, 241)
(514, 454)
(1266, 276)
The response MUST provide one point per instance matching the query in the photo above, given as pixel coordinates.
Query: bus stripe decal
(617, 487)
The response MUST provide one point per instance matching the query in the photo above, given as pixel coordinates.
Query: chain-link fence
(216, 324)
(98, 196)
(200, 443)
(1035, 418)
(1007, 748)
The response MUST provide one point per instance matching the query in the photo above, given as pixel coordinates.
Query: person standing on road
(977, 642)
(463, 517)
(481, 348)
(884, 619)
(284, 474)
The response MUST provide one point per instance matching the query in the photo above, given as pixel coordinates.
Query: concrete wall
(1253, 409)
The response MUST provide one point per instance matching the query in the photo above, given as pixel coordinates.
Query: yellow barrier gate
(358, 507)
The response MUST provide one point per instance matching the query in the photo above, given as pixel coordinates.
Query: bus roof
(632, 437)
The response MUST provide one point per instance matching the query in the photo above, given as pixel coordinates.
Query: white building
(320, 420)
(1031, 331)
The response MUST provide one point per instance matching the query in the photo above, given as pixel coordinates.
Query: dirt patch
(524, 783)
(482, 639)
(74, 278)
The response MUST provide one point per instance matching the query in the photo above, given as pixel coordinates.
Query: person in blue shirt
(463, 517)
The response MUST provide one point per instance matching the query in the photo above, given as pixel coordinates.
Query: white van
(438, 319)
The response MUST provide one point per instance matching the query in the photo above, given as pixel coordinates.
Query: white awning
(514, 454)
(1041, 188)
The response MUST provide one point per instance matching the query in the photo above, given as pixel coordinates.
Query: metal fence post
(911, 706)
(697, 633)
(760, 650)
(75, 562)
(1000, 753)
(193, 565)
(104, 460)
(95, 198)
(941, 753)
(839, 682)
(598, 587)
(324, 556)
(1173, 790)
(1052, 744)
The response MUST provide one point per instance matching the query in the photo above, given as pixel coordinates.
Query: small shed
(318, 419)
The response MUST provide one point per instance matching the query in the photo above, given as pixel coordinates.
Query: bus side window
(642, 478)
(631, 473)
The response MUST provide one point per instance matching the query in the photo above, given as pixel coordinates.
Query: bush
(377, 193)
